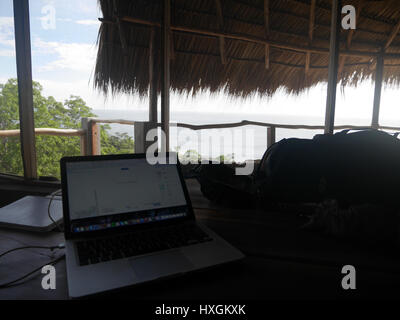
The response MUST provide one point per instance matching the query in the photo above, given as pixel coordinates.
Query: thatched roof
(298, 49)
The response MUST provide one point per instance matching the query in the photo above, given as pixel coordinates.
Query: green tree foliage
(49, 113)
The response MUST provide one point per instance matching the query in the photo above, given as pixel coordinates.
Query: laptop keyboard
(138, 243)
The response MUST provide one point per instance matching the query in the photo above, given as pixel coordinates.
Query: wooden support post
(221, 27)
(333, 66)
(166, 43)
(267, 34)
(92, 137)
(140, 133)
(140, 137)
(271, 136)
(86, 148)
(83, 146)
(153, 76)
(380, 65)
(95, 137)
(25, 90)
(378, 91)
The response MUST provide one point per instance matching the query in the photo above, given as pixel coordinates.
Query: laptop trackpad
(160, 265)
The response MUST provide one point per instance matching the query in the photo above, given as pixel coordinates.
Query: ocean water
(249, 142)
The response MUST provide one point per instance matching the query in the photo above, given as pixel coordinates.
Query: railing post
(91, 140)
(140, 133)
(84, 145)
(95, 135)
(271, 136)
(85, 149)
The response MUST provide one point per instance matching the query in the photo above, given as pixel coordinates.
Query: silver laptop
(127, 221)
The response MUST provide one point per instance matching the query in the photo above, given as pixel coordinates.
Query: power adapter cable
(52, 196)
(52, 248)
(53, 262)
(17, 282)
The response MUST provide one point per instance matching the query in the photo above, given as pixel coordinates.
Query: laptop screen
(122, 192)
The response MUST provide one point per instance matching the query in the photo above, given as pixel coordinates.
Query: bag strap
(357, 129)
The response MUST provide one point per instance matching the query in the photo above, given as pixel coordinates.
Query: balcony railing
(90, 132)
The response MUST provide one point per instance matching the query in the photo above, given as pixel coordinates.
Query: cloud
(88, 22)
(7, 21)
(87, 7)
(64, 19)
(62, 90)
(7, 32)
(7, 53)
(58, 19)
(84, 22)
(3, 80)
(68, 56)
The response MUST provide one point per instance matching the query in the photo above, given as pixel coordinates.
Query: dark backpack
(356, 167)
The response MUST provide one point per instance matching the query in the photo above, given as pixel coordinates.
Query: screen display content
(115, 193)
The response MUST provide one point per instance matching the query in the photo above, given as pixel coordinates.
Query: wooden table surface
(282, 262)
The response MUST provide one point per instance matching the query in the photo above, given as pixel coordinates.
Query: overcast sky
(63, 58)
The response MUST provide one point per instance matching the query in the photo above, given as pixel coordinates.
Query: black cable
(14, 282)
(58, 192)
(32, 247)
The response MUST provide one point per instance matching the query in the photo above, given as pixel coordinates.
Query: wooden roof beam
(311, 28)
(124, 43)
(392, 36)
(306, 17)
(294, 15)
(326, 7)
(361, 5)
(267, 33)
(370, 64)
(255, 39)
(350, 35)
(221, 27)
(302, 36)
